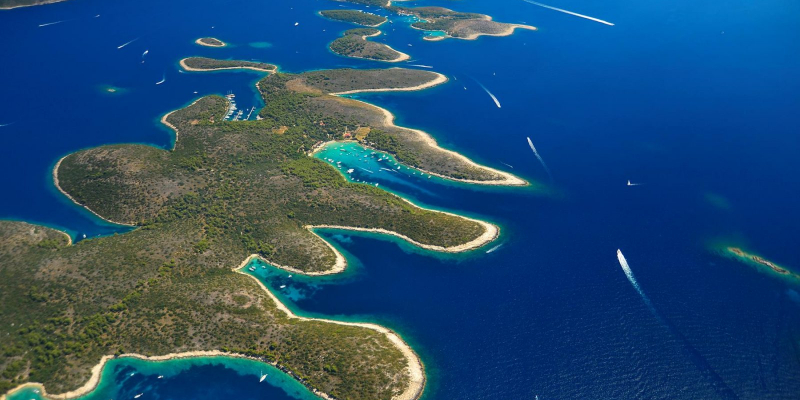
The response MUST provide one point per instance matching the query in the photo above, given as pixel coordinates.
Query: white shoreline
(507, 32)
(200, 42)
(385, 19)
(508, 178)
(188, 68)
(401, 56)
(55, 181)
(415, 367)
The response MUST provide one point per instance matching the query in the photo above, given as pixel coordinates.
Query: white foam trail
(507, 165)
(633, 184)
(366, 170)
(51, 23)
(420, 65)
(627, 269)
(496, 102)
(569, 12)
(536, 153)
(494, 248)
(2, 125)
(125, 44)
(164, 79)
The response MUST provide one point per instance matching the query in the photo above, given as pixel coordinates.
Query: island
(210, 42)
(449, 23)
(354, 17)
(354, 43)
(9, 4)
(226, 193)
(211, 64)
(459, 25)
(758, 261)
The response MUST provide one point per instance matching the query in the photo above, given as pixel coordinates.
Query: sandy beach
(55, 181)
(188, 68)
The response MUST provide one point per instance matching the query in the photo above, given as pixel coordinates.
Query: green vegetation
(354, 16)
(210, 64)
(210, 42)
(306, 98)
(354, 43)
(227, 190)
(454, 23)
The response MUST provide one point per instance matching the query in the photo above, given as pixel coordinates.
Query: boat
(264, 376)
(160, 376)
(289, 276)
(138, 395)
(350, 171)
(283, 286)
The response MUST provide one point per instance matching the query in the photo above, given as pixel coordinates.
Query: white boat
(160, 376)
(283, 286)
(138, 395)
(289, 276)
(350, 171)
(264, 376)
(296, 23)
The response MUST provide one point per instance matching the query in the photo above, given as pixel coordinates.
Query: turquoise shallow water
(696, 100)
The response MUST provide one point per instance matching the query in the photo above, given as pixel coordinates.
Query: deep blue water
(690, 98)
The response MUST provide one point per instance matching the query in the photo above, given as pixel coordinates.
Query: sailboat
(264, 376)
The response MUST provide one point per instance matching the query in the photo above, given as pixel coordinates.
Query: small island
(759, 261)
(354, 44)
(354, 17)
(210, 42)
(210, 64)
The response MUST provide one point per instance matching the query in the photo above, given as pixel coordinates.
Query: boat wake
(420, 65)
(625, 267)
(536, 153)
(51, 23)
(633, 184)
(699, 361)
(2, 125)
(494, 248)
(496, 102)
(125, 44)
(163, 79)
(569, 12)
(507, 165)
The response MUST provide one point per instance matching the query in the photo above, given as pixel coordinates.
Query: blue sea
(698, 101)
